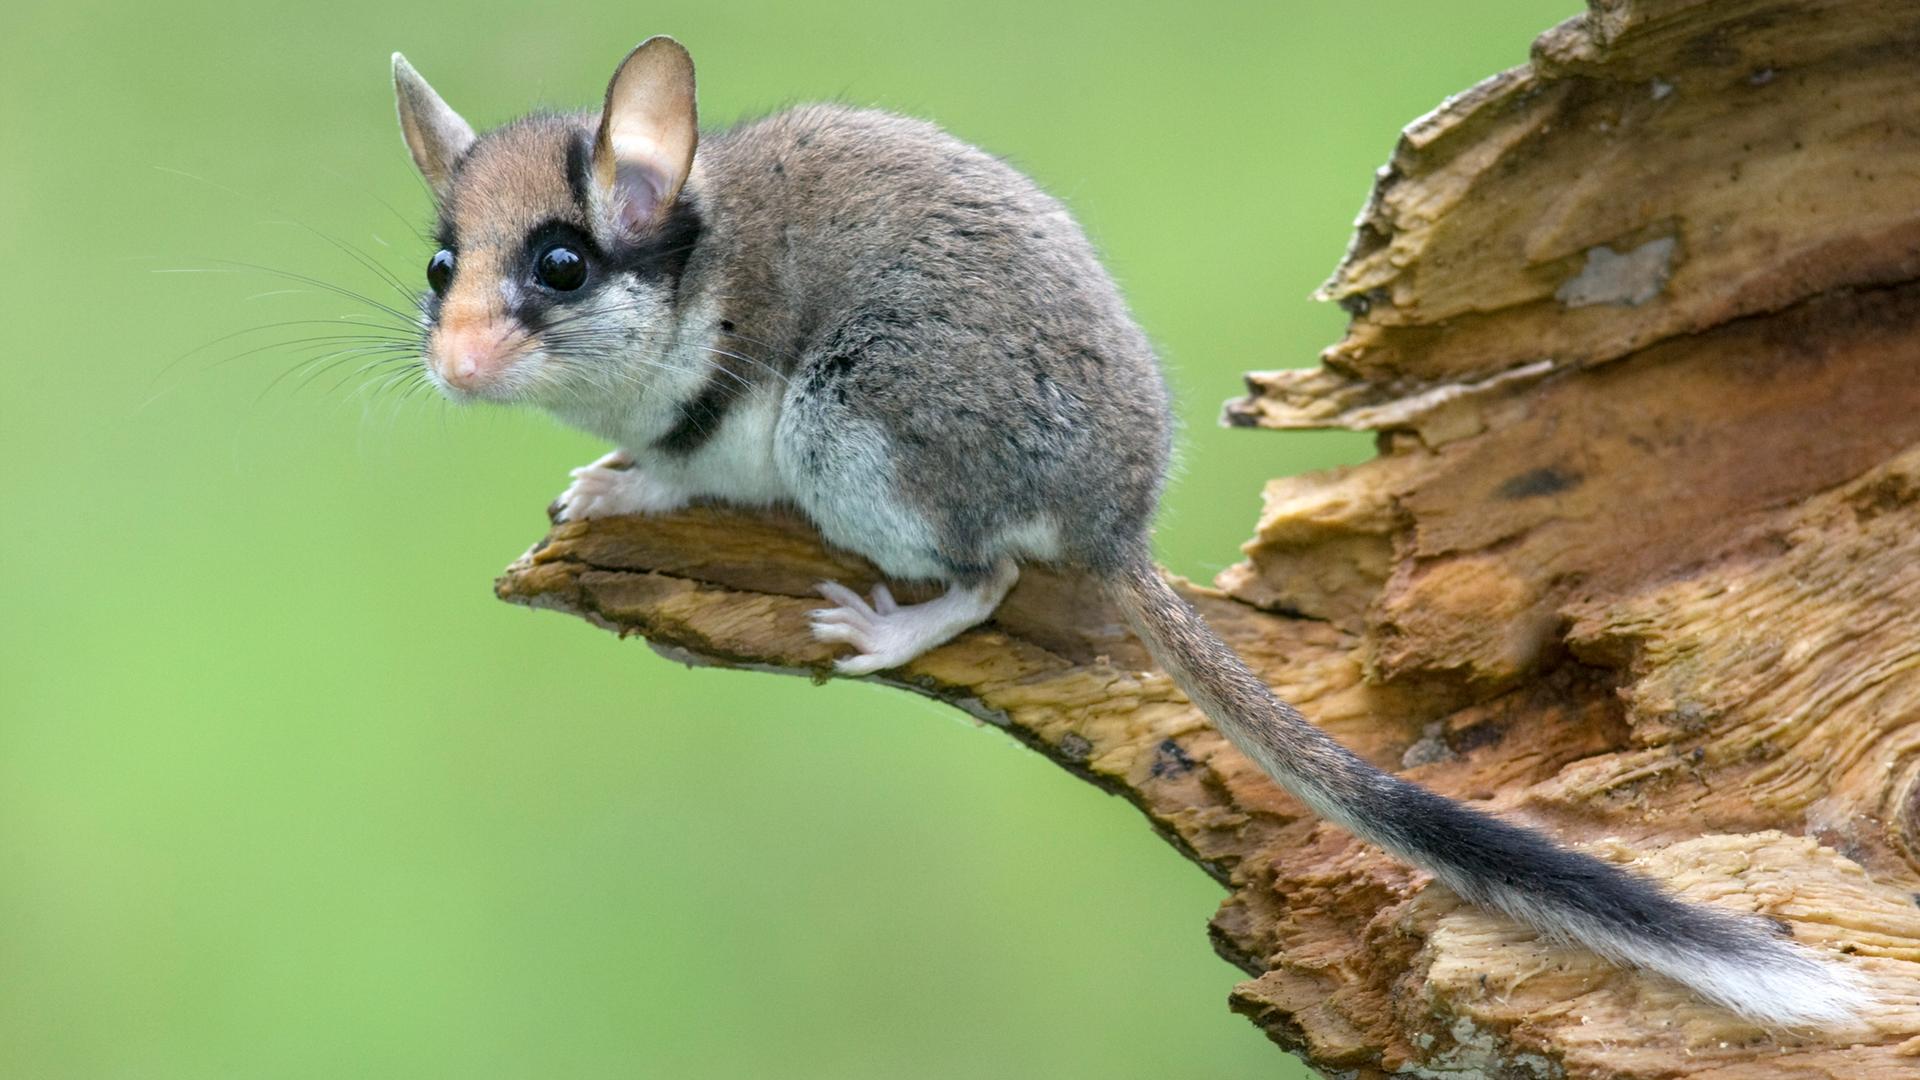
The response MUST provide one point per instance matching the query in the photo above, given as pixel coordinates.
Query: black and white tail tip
(1737, 961)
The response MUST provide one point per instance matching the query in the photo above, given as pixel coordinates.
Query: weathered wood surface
(1640, 325)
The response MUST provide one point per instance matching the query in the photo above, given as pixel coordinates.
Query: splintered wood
(1640, 323)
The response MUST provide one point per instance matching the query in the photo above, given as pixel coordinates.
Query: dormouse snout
(470, 351)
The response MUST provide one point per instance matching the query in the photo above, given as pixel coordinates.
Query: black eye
(561, 268)
(440, 271)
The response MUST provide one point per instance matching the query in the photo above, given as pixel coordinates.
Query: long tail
(1738, 961)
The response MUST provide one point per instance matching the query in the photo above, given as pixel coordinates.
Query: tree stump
(1636, 563)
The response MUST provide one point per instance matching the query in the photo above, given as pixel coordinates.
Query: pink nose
(472, 353)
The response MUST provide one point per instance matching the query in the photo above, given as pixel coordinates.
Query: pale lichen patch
(1629, 279)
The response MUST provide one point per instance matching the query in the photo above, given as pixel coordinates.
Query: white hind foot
(611, 486)
(888, 635)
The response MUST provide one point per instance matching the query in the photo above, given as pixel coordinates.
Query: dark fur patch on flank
(701, 415)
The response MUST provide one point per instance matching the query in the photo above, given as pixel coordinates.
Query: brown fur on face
(514, 180)
(505, 188)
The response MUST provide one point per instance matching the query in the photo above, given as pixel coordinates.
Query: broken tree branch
(1639, 323)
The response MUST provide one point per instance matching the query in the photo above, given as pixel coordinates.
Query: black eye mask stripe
(665, 252)
(554, 232)
(660, 257)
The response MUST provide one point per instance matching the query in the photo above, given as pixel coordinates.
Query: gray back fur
(924, 290)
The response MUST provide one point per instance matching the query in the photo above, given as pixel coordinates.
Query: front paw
(609, 487)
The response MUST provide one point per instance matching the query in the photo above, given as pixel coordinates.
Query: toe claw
(863, 664)
(841, 595)
(840, 617)
(831, 632)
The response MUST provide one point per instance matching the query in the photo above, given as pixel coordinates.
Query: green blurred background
(284, 792)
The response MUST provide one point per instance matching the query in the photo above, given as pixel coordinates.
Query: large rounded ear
(436, 136)
(644, 149)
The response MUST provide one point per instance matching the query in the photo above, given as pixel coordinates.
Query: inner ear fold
(644, 148)
(435, 134)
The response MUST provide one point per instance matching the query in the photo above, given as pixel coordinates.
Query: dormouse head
(562, 238)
